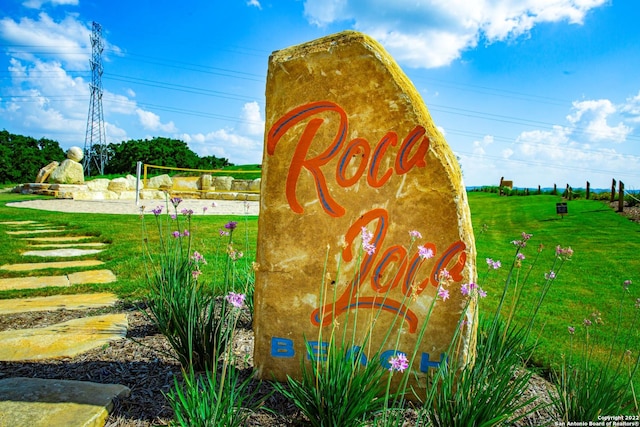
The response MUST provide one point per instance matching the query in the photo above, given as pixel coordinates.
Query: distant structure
(95, 153)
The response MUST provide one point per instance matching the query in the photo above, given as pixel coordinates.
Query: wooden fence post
(588, 189)
(613, 190)
(621, 197)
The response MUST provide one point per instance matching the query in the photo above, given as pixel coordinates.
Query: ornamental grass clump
(346, 380)
(219, 396)
(199, 322)
(489, 391)
(585, 391)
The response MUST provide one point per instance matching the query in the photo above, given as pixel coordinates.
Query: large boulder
(69, 172)
(160, 181)
(75, 153)
(43, 174)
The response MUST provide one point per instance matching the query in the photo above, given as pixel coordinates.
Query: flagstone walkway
(35, 402)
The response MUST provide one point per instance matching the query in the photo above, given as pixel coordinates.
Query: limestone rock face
(118, 184)
(349, 144)
(36, 402)
(69, 172)
(44, 173)
(100, 184)
(223, 183)
(160, 181)
(205, 182)
(75, 153)
(132, 181)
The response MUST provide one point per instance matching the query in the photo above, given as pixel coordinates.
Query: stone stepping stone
(36, 282)
(38, 231)
(69, 245)
(36, 402)
(59, 239)
(27, 222)
(66, 339)
(65, 252)
(31, 266)
(57, 302)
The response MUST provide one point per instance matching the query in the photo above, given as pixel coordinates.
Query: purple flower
(174, 216)
(187, 212)
(550, 275)
(565, 253)
(157, 211)
(587, 322)
(520, 256)
(493, 264)
(424, 252)
(481, 292)
(223, 233)
(204, 210)
(195, 274)
(443, 293)
(415, 234)
(198, 258)
(186, 233)
(526, 236)
(399, 362)
(176, 234)
(626, 284)
(235, 299)
(231, 225)
(571, 330)
(367, 246)
(214, 205)
(175, 201)
(464, 289)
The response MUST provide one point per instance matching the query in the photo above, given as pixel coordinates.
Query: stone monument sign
(351, 151)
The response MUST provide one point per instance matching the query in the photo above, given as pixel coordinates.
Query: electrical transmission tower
(95, 153)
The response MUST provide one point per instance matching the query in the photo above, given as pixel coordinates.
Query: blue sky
(537, 91)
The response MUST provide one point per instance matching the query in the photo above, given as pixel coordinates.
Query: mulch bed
(144, 362)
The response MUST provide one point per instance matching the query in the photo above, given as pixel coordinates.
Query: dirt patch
(145, 363)
(631, 212)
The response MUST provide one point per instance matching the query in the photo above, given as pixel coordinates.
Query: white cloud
(252, 122)
(480, 146)
(434, 33)
(254, 3)
(67, 41)
(631, 109)
(241, 146)
(151, 121)
(592, 115)
(37, 4)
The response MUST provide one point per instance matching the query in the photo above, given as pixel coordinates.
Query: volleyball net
(185, 180)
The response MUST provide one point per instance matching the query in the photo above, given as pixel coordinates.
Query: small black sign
(561, 208)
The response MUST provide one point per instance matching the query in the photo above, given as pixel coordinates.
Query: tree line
(21, 157)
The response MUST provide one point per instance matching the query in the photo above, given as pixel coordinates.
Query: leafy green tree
(157, 151)
(213, 162)
(21, 157)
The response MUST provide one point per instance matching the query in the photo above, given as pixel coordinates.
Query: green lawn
(606, 249)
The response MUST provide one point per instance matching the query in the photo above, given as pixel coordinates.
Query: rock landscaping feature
(47, 402)
(38, 402)
(58, 302)
(31, 266)
(65, 252)
(350, 146)
(65, 339)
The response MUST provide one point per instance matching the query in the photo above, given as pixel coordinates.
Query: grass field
(606, 247)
